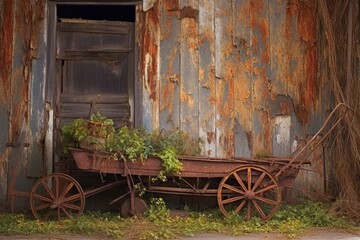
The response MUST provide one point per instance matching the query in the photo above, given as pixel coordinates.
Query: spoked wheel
(249, 190)
(57, 196)
(140, 207)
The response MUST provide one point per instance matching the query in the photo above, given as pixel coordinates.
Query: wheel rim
(140, 207)
(55, 197)
(249, 190)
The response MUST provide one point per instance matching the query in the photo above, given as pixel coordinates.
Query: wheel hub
(249, 195)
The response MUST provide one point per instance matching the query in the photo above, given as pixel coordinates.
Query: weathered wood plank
(6, 56)
(261, 85)
(151, 67)
(170, 65)
(207, 90)
(189, 67)
(242, 79)
(281, 120)
(225, 68)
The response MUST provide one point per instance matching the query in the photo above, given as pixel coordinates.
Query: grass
(158, 224)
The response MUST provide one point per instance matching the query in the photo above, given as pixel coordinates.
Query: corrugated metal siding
(241, 74)
(22, 93)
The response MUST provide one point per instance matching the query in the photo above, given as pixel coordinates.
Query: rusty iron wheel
(249, 190)
(140, 207)
(57, 196)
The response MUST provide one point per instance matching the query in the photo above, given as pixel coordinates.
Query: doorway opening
(125, 13)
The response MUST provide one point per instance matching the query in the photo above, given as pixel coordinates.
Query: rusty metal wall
(22, 83)
(241, 74)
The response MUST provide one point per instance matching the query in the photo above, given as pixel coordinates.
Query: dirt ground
(313, 234)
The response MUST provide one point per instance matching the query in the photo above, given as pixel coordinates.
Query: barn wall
(241, 74)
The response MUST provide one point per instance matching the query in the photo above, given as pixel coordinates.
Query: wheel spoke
(266, 200)
(72, 206)
(47, 215)
(57, 188)
(42, 206)
(241, 205)
(42, 198)
(47, 188)
(234, 189)
(248, 211)
(66, 212)
(259, 181)
(249, 178)
(258, 208)
(58, 214)
(233, 199)
(72, 198)
(238, 179)
(266, 189)
(67, 189)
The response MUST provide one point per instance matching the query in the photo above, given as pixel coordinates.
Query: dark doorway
(124, 13)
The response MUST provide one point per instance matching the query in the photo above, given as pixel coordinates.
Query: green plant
(74, 132)
(92, 130)
(131, 144)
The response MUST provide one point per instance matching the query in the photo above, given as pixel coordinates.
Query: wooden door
(95, 73)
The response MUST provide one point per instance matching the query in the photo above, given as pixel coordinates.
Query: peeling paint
(151, 50)
(189, 12)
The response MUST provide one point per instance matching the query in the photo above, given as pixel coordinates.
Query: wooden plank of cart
(248, 186)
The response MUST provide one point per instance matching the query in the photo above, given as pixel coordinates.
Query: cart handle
(307, 145)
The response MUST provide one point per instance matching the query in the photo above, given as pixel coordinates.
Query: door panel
(95, 73)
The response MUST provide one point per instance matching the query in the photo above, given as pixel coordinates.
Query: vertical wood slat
(207, 87)
(189, 67)
(224, 68)
(6, 56)
(294, 84)
(280, 73)
(279, 52)
(170, 65)
(242, 84)
(260, 67)
(150, 61)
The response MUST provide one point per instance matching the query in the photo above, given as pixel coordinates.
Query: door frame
(50, 111)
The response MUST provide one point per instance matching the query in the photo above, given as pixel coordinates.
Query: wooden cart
(248, 186)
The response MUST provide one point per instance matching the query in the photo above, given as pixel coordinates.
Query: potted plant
(90, 134)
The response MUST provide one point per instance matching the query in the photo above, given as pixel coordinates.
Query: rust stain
(169, 10)
(211, 136)
(284, 106)
(171, 5)
(302, 114)
(189, 12)
(6, 39)
(151, 49)
(292, 9)
(38, 16)
(307, 32)
(301, 31)
(311, 88)
(306, 25)
(191, 33)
